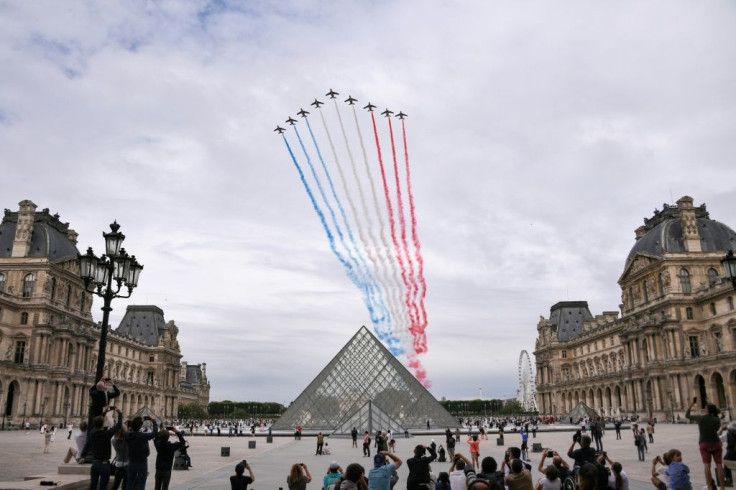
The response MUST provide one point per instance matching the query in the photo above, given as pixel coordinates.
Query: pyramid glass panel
(366, 387)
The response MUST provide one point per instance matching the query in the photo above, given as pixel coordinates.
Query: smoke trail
(415, 328)
(401, 319)
(415, 238)
(352, 274)
(392, 226)
(384, 333)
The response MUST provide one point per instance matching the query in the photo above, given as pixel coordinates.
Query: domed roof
(663, 234)
(50, 237)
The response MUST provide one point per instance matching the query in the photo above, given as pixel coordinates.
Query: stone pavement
(22, 456)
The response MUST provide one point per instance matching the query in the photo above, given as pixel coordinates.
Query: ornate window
(564, 354)
(29, 282)
(20, 352)
(684, 276)
(689, 313)
(2, 282)
(694, 346)
(53, 289)
(712, 277)
(24, 318)
(632, 299)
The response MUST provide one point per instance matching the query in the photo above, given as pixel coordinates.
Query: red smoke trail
(419, 372)
(415, 239)
(392, 223)
(415, 327)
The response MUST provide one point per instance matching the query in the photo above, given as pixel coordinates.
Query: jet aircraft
(370, 107)
(350, 100)
(317, 103)
(291, 121)
(303, 113)
(332, 94)
(387, 113)
(279, 129)
(401, 115)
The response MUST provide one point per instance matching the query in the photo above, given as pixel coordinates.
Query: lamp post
(66, 413)
(729, 266)
(105, 276)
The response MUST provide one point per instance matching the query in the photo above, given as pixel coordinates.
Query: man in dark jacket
(101, 450)
(419, 478)
(165, 456)
(138, 452)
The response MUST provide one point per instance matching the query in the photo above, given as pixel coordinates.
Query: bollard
(225, 451)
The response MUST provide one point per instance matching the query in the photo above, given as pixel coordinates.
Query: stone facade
(675, 338)
(49, 341)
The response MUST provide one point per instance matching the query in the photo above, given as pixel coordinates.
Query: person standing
(474, 444)
(617, 426)
(354, 436)
(366, 444)
(419, 476)
(138, 452)
(708, 441)
(121, 458)
(70, 427)
(165, 456)
(650, 430)
(379, 477)
(640, 442)
(101, 450)
(320, 443)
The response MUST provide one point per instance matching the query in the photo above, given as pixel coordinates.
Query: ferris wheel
(527, 390)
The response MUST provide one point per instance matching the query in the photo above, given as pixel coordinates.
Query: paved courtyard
(22, 456)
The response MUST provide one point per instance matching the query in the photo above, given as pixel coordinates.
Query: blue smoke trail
(384, 333)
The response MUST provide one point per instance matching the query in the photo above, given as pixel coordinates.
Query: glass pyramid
(363, 386)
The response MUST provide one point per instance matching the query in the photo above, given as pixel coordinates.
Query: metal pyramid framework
(366, 387)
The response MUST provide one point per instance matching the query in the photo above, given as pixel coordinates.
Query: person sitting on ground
(379, 477)
(457, 472)
(551, 479)
(333, 475)
(239, 481)
(79, 441)
(519, 478)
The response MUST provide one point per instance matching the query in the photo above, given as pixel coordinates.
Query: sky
(540, 134)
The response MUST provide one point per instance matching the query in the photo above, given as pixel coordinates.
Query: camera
(550, 454)
(111, 407)
(170, 428)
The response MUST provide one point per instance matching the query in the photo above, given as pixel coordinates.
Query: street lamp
(729, 265)
(66, 413)
(99, 274)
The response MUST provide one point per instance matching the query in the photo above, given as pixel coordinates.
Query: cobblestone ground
(22, 456)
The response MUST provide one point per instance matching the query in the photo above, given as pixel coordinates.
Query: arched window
(712, 277)
(24, 318)
(684, 276)
(2, 283)
(29, 282)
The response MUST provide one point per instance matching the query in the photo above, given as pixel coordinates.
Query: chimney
(690, 235)
(24, 229)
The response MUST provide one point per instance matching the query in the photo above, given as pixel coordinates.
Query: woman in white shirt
(551, 479)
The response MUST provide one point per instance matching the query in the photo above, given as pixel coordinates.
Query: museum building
(49, 341)
(675, 338)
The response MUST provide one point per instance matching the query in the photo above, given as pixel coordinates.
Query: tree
(192, 411)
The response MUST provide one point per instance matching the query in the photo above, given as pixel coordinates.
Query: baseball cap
(334, 466)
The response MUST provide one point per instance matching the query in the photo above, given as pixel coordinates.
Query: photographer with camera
(240, 482)
(138, 452)
(165, 456)
(419, 477)
(100, 448)
(585, 454)
(563, 469)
